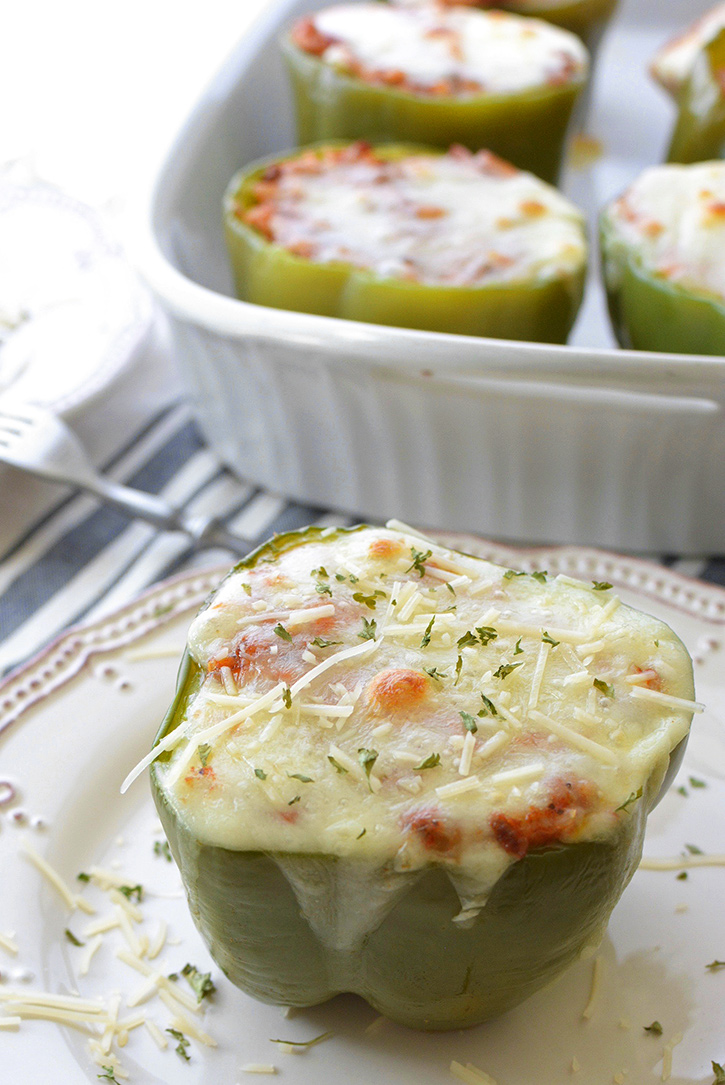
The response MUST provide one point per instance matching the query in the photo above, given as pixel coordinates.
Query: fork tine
(22, 413)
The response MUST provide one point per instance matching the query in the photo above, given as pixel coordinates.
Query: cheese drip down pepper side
(452, 242)
(326, 837)
(435, 76)
(662, 247)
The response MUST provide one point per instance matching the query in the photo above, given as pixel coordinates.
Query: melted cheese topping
(456, 219)
(673, 217)
(413, 738)
(674, 63)
(473, 51)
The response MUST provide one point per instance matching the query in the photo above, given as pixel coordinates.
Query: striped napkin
(84, 560)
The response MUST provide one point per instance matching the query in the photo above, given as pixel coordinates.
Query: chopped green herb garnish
(426, 636)
(505, 670)
(323, 589)
(549, 640)
(488, 706)
(353, 579)
(629, 800)
(469, 723)
(682, 791)
(200, 982)
(431, 762)
(360, 835)
(459, 668)
(280, 630)
(657, 644)
(204, 751)
(604, 687)
(247, 588)
(693, 849)
(682, 876)
(294, 800)
(336, 765)
(72, 938)
(161, 847)
(130, 891)
(518, 650)
(367, 759)
(715, 966)
(83, 877)
(719, 1073)
(486, 634)
(301, 777)
(369, 629)
(450, 587)
(419, 559)
(511, 573)
(304, 1043)
(320, 642)
(655, 1028)
(435, 674)
(322, 571)
(340, 577)
(370, 601)
(540, 576)
(467, 640)
(260, 774)
(182, 1044)
(601, 585)
(287, 697)
(108, 1074)
(694, 782)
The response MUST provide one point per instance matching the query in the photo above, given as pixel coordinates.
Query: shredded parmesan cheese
(70, 899)
(89, 951)
(8, 943)
(544, 649)
(470, 1074)
(667, 1056)
(608, 757)
(682, 862)
(644, 694)
(458, 788)
(597, 967)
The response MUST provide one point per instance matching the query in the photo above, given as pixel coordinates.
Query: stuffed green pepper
(673, 63)
(692, 69)
(436, 76)
(455, 242)
(397, 770)
(663, 255)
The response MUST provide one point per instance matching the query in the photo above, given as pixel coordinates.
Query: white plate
(80, 715)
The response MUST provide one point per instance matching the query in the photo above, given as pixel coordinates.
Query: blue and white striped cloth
(84, 560)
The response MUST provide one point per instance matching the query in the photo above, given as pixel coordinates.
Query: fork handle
(204, 531)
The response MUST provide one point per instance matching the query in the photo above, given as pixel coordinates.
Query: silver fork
(35, 440)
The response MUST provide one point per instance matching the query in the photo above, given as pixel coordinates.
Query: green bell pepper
(415, 965)
(650, 313)
(699, 133)
(267, 274)
(527, 128)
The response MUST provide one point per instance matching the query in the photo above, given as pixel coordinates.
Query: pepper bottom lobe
(416, 965)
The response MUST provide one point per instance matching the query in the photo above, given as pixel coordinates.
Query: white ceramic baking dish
(583, 443)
